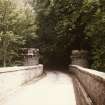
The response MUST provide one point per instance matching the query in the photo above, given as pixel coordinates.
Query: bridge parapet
(13, 77)
(89, 85)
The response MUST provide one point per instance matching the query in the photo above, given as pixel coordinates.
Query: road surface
(55, 88)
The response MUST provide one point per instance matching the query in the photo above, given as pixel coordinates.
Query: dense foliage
(56, 27)
(16, 29)
(96, 32)
(64, 25)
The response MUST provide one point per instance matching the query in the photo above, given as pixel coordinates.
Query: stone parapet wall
(13, 77)
(92, 82)
(79, 57)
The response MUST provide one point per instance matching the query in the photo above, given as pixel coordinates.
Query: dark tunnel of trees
(56, 27)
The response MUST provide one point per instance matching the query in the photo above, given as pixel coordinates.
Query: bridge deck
(55, 88)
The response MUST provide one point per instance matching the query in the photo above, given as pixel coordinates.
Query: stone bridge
(31, 85)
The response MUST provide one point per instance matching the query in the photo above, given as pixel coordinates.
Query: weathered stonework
(93, 82)
(31, 56)
(79, 57)
(13, 77)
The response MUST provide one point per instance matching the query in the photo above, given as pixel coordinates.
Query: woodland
(55, 27)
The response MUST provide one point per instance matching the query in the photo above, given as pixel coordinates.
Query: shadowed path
(55, 88)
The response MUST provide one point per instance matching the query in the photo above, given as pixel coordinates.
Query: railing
(89, 85)
(13, 77)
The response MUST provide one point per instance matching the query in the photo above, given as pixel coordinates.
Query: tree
(7, 36)
(61, 27)
(16, 28)
(96, 33)
(64, 25)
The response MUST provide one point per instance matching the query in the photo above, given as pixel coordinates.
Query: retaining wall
(13, 77)
(89, 86)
